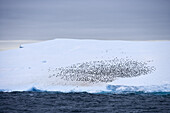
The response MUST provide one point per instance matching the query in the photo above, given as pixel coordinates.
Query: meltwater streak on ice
(27, 67)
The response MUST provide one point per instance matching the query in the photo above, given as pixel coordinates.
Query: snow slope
(32, 65)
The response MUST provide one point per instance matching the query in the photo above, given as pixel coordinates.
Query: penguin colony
(103, 70)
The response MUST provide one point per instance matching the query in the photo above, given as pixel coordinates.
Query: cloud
(101, 19)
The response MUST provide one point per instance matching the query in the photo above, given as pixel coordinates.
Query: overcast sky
(101, 19)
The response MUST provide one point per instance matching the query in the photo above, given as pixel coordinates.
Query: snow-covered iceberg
(87, 65)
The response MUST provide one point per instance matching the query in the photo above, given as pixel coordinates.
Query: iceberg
(72, 65)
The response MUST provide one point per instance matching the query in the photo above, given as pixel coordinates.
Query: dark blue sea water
(55, 102)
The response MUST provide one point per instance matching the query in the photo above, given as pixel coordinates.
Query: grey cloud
(101, 19)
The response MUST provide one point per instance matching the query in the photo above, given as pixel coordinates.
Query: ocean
(57, 102)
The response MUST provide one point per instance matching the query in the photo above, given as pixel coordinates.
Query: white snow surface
(27, 67)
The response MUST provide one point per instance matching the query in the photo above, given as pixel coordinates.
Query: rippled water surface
(15, 102)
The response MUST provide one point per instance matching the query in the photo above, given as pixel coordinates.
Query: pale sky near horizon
(93, 19)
